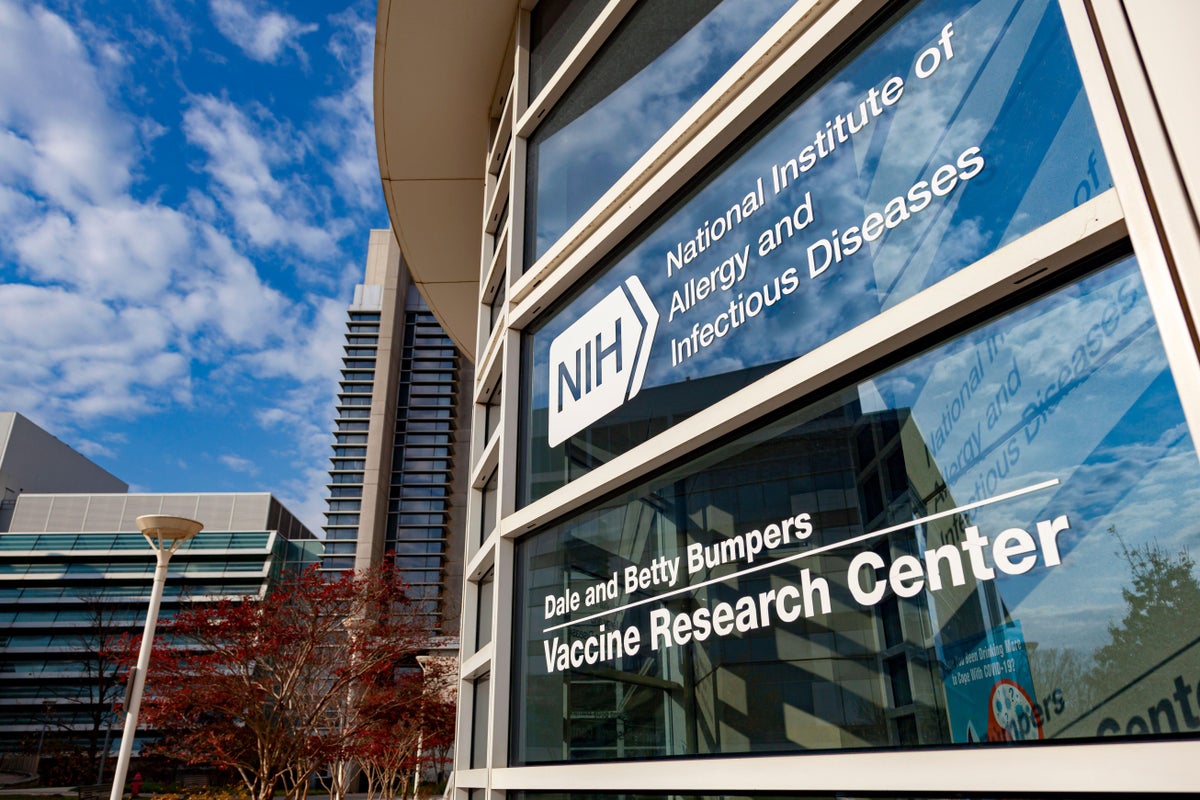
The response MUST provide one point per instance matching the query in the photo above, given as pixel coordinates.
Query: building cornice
(435, 80)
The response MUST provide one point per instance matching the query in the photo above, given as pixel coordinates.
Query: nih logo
(599, 362)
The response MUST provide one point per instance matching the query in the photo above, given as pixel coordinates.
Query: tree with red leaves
(275, 688)
(405, 738)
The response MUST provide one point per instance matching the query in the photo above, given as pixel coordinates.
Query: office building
(32, 460)
(836, 388)
(75, 576)
(399, 453)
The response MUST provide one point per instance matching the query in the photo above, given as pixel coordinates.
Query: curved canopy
(436, 71)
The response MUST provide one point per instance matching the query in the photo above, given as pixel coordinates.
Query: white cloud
(123, 249)
(240, 157)
(239, 464)
(93, 450)
(76, 358)
(348, 132)
(222, 294)
(303, 416)
(117, 303)
(70, 144)
(123, 299)
(313, 354)
(262, 34)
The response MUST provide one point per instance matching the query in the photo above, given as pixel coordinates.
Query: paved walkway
(70, 792)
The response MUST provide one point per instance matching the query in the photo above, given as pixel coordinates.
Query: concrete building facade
(398, 471)
(836, 388)
(32, 460)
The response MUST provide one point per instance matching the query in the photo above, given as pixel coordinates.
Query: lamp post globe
(165, 534)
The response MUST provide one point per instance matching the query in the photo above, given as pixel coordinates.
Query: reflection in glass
(662, 57)
(882, 181)
(555, 27)
(480, 698)
(486, 591)
(987, 543)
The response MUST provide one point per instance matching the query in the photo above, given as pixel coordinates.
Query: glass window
(422, 491)
(426, 452)
(426, 477)
(421, 505)
(425, 464)
(426, 438)
(555, 27)
(1007, 561)
(496, 306)
(491, 414)
(419, 519)
(954, 131)
(661, 58)
(479, 722)
(483, 633)
(431, 425)
(403, 547)
(488, 504)
(428, 413)
(418, 562)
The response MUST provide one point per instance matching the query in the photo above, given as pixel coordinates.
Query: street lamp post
(165, 535)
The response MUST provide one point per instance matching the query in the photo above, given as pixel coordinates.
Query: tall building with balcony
(399, 452)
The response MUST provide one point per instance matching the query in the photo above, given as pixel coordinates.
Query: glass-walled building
(836, 389)
(75, 580)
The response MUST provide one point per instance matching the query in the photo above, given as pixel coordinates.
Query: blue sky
(186, 188)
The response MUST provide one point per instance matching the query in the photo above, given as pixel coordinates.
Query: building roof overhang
(437, 69)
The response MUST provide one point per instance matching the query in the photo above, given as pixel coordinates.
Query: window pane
(1007, 561)
(957, 130)
(661, 58)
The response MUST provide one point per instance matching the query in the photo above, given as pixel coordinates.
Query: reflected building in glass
(398, 467)
(836, 381)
